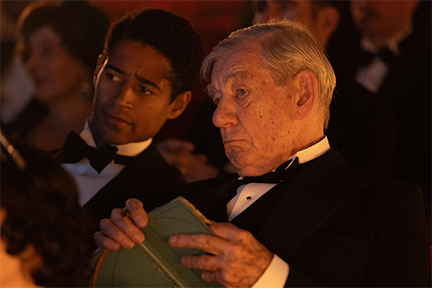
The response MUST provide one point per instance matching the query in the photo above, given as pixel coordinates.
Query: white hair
(287, 48)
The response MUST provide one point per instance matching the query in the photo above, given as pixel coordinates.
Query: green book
(155, 263)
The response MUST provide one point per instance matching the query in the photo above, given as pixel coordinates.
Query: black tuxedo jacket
(148, 177)
(406, 90)
(362, 127)
(334, 224)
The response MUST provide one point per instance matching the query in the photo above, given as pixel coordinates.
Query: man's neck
(99, 141)
(92, 138)
(378, 42)
(310, 152)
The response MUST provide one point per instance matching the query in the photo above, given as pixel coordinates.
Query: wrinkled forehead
(220, 80)
(239, 63)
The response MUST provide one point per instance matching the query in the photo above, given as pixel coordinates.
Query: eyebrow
(146, 81)
(139, 78)
(210, 89)
(242, 74)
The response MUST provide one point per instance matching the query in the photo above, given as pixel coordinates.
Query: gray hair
(287, 48)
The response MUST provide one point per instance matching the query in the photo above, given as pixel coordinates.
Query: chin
(114, 138)
(118, 141)
(245, 172)
(241, 169)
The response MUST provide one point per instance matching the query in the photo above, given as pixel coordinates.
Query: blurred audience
(42, 226)
(59, 42)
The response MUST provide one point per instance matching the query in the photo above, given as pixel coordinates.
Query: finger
(202, 158)
(182, 159)
(182, 145)
(212, 276)
(176, 145)
(204, 262)
(137, 212)
(113, 232)
(121, 225)
(212, 244)
(102, 241)
(169, 156)
(229, 231)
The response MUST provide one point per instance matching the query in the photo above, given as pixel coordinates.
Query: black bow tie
(385, 54)
(75, 149)
(278, 175)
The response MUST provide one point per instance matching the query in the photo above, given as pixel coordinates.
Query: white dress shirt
(277, 272)
(372, 76)
(88, 180)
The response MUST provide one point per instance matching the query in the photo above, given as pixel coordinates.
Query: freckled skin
(258, 126)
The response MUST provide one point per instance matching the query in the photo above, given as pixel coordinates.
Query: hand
(123, 227)
(237, 260)
(172, 148)
(193, 166)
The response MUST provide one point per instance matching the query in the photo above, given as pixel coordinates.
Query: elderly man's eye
(242, 92)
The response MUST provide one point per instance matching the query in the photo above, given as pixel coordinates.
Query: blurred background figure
(16, 86)
(59, 43)
(321, 17)
(42, 227)
(393, 61)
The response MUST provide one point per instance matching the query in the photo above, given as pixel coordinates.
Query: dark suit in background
(406, 91)
(362, 127)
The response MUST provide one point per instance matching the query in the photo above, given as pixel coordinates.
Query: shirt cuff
(275, 275)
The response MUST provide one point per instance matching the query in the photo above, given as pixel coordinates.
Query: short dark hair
(81, 27)
(42, 211)
(317, 5)
(170, 35)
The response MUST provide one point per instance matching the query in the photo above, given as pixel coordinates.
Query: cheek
(272, 129)
(56, 67)
(59, 79)
(101, 103)
(150, 119)
(103, 93)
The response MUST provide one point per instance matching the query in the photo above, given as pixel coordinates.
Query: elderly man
(312, 219)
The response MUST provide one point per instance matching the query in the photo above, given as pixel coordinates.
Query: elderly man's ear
(179, 104)
(307, 87)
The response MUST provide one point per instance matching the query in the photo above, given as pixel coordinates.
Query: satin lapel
(212, 198)
(252, 218)
(311, 199)
(146, 173)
